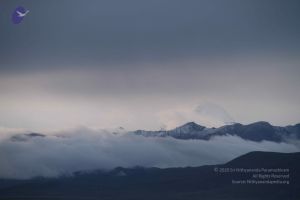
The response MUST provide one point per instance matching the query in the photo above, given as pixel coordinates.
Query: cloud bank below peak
(86, 149)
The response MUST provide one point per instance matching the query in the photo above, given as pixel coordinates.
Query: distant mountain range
(215, 182)
(257, 132)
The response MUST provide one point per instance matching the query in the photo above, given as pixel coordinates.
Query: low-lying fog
(87, 149)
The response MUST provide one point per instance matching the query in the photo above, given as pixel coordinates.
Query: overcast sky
(147, 64)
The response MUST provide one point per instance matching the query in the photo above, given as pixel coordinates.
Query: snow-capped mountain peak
(257, 131)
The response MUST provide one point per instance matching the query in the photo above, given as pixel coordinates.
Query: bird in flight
(22, 14)
(19, 14)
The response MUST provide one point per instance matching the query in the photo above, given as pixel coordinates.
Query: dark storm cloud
(88, 33)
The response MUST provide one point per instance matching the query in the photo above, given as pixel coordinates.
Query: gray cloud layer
(85, 149)
(106, 63)
(72, 32)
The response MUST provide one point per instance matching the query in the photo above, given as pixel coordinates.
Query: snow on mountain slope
(207, 114)
(258, 131)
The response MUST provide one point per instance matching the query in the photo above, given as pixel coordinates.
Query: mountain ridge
(205, 182)
(257, 131)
